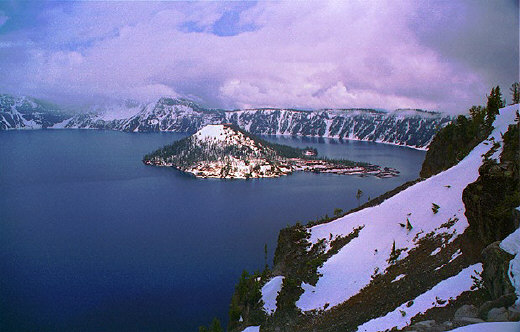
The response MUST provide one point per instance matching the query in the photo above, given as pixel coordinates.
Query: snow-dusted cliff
(413, 128)
(28, 113)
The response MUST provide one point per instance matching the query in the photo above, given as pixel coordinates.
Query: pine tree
(494, 103)
(408, 225)
(515, 93)
(435, 208)
(215, 326)
(359, 194)
(393, 254)
(265, 256)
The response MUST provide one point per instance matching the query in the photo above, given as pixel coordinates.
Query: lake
(92, 239)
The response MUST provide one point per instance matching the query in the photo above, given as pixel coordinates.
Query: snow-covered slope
(28, 113)
(439, 295)
(165, 114)
(431, 210)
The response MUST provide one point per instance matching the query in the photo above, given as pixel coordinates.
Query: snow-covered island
(225, 151)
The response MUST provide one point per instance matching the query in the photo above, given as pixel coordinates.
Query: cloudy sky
(442, 55)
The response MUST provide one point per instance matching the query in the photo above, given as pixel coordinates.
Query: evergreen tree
(494, 103)
(435, 208)
(215, 326)
(515, 93)
(359, 194)
(265, 256)
(393, 254)
(408, 225)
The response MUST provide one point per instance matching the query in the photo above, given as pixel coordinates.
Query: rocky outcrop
(453, 143)
(486, 200)
(490, 201)
(495, 273)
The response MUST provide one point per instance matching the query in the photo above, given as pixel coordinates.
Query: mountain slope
(388, 265)
(28, 113)
(413, 128)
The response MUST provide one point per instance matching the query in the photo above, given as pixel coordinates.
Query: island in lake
(226, 151)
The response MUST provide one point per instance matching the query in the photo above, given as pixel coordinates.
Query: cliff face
(409, 257)
(413, 128)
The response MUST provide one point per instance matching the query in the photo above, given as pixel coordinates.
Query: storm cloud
(436, 55)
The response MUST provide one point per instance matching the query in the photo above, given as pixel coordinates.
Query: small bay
(91, 238)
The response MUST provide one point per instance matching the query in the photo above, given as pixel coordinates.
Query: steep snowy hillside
(166, 114)
(388, 265)
(28, 113)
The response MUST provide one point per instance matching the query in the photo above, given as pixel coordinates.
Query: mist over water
(91, 238)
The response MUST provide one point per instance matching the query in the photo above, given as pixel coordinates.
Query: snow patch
(252, 329)
(438, 296)
(455, 255)
(211, 132)
(511, 244)
(269, 293)
(399, 277)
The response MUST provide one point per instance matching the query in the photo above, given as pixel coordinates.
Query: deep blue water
(92, 239)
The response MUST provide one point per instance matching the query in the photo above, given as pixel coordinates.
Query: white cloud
(301, 54)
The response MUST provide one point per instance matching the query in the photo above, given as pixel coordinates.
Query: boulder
(504, 301)
(425, 323)
(498, 315)
(466, 311)
(514, 313)
(468, 320)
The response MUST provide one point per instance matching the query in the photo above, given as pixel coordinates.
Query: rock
(489, 209)
(516, 218)
(514, 313)
(498, 315)
(467, 310)
(504, 301)
(448, 325)
(495, 270)
(425, 323)
(469, 320)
